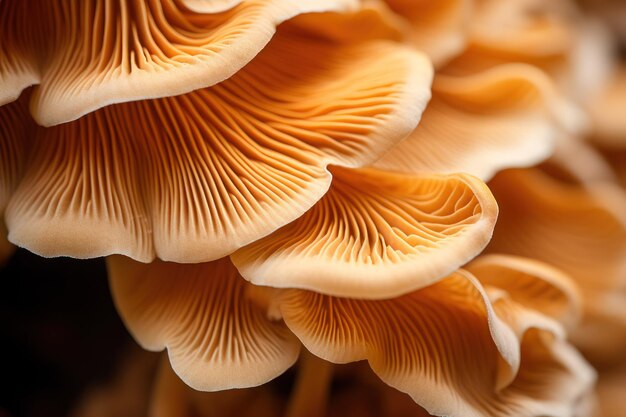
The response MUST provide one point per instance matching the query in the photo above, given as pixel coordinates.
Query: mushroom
(216, 339)
(194, 177)
(89, 54)
(437, 27)
(376, 235)
(15, 130)
(607, 113)
(581, 229)
(458, 347)
(506, 116)
(504, 113)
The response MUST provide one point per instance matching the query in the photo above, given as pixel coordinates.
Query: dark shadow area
(59, 333)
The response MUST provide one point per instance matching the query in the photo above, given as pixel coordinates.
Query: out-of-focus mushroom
(582, 231)
(438, 27)
(507, 116)
(607, 113)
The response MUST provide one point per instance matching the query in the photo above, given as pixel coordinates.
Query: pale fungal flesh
(192, 178)
(424, 343)
(507, 116)
(215, 338)
(275, 188)
(376, 235)
(88, 54)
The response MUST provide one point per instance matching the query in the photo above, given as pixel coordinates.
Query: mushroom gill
(279, 161)
(194, 177)
(88, 54)
(216, 339)
(581, 229)
(458, 347)
(444, 344)
(503, 117)
(15, 130)
(376, 235)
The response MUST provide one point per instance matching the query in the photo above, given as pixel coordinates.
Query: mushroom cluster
(429, 186)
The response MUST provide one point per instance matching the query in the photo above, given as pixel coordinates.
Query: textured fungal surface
(317, 208)
(215, 338)
(88, 54)
(426, 344)
(376, 235)
(194, 177)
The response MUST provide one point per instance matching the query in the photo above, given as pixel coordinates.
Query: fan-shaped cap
(581, 230)
(444, 344)
(172, 398)
(523, 28)
(216, 339)
(507, 116)
(194, 177)
(90, 54)
(376, 235)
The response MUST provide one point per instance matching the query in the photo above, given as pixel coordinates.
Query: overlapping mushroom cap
(196, 176)
(86, 55)
(458, 347)
(486, 114)
(169, 137)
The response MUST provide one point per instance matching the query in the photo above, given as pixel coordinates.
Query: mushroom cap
(536, 285)
(445, 344)
(15, 130)
(91, 54)
(437, 27)
(504, 117)
(194, 177)
(216, 339)
(376, 235)
(172, 398)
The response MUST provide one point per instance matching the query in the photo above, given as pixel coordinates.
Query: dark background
(59, 333)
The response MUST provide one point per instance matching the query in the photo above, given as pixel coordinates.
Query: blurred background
(61, 337)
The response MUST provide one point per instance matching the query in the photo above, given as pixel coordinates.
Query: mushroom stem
(310, 394)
